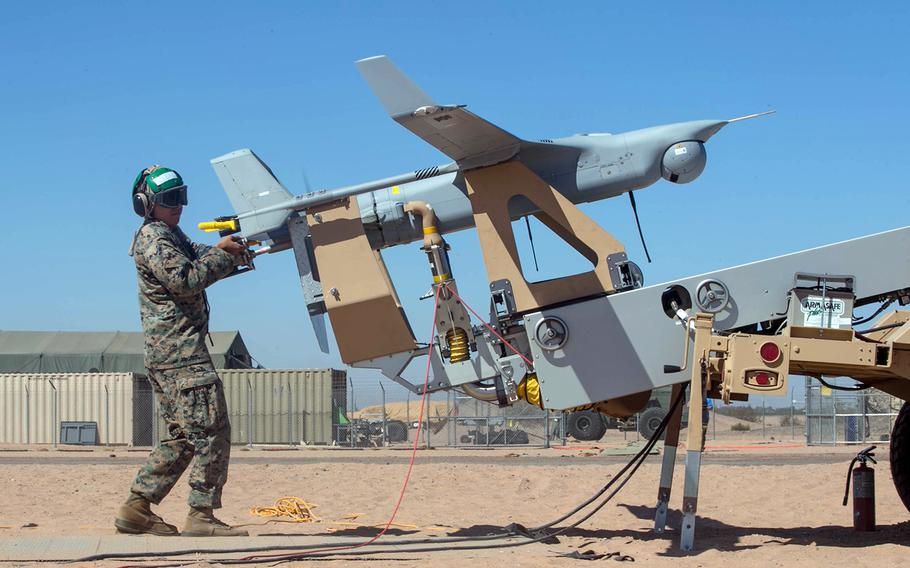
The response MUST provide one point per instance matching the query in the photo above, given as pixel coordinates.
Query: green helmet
(163, 179)
(157, 185)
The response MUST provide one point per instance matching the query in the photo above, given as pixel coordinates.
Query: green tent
(100, 351)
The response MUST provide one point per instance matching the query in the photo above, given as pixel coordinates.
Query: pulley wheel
(551, 333)
(711, 295)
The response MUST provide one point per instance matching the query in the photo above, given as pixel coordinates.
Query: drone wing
(453, 130)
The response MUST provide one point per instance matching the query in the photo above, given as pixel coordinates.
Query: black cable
(881, 328)
(840, 388)
(641, 235)
(880, 309)
(637, 460)
(646, 449)
(634, 463)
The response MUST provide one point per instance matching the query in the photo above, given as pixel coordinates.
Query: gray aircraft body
(583, 167)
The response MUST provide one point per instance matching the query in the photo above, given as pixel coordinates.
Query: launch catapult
(599, 339)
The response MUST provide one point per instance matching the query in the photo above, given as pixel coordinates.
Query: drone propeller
(306, 180)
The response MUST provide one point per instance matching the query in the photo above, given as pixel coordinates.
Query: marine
(173, 273)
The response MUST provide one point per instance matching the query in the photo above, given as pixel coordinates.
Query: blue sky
(93, 92)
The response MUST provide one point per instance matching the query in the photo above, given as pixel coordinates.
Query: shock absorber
(863, 478)
(453, 324)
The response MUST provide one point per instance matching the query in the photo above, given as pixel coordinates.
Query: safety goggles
(172, 197)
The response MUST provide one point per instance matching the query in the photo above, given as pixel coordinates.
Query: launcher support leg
(671, 442)
(695, 440)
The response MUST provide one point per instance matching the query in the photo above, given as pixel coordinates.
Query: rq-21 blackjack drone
(597, 339)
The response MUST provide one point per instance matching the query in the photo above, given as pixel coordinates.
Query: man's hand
(231, 245)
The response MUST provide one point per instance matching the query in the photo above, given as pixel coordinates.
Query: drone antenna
(531, 238)
(638, 224)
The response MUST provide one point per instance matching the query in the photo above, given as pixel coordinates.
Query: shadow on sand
(367, 532)
(712, 534)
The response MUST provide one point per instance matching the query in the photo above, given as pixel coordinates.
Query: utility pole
(385, 437)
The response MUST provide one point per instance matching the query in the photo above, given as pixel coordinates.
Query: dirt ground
(771, 505)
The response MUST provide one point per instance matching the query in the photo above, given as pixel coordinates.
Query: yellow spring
(459, 350)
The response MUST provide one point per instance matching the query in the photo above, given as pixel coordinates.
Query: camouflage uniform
(173, 273)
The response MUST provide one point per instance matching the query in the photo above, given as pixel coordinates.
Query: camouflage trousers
(191, 401)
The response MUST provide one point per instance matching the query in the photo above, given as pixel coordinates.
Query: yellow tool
(223, 225)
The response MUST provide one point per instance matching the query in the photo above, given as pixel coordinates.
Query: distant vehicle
(590, 425)
(495, 437)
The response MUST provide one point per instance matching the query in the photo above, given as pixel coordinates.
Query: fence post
(763, 436)
(249, 412)
(489, 431)
(563, 433)
(450, 432)
(793, 416)
(834, 416)
(427, 410)
(546, 419)
(385, 438)
(714, 421)
(155, 433)
(349, 411)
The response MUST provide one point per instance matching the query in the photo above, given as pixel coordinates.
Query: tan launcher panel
(364, 310)
(490, 190)
(741, 364)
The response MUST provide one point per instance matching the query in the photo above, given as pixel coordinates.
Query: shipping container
(272, 406)
(288, 406)
(266, 406)
(32, 405)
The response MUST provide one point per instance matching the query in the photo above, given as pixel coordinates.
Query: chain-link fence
(836, 416)
(449, 420)
(286, 408)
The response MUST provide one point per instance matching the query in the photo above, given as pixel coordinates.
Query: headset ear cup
(141, 204)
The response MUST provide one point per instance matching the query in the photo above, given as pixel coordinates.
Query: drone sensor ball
(683, 161)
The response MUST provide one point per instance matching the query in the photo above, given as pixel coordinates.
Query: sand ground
(756, 513)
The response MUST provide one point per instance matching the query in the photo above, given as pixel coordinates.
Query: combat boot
(136, 517)
(202, 522)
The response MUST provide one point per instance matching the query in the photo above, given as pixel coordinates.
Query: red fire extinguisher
(863, 491)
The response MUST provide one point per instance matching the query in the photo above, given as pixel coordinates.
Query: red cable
(493, 331)
(407, 477)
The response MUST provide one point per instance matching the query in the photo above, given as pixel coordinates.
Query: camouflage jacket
(173, 273)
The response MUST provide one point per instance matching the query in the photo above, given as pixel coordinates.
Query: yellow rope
(298, 510)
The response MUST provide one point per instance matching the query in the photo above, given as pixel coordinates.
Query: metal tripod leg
(695, 439)
(694, 447)
(671, 441)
